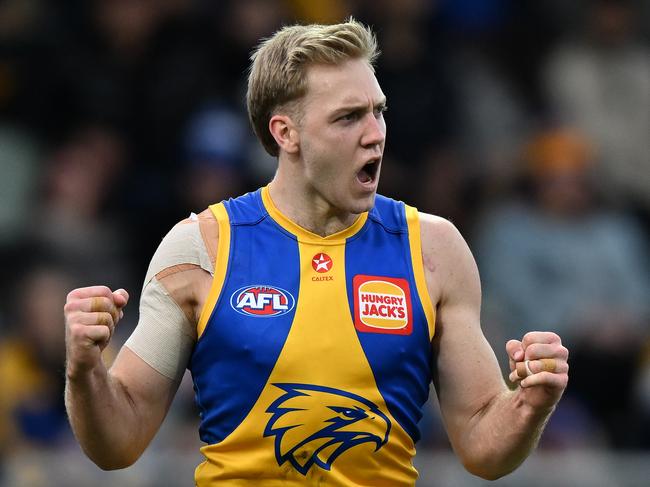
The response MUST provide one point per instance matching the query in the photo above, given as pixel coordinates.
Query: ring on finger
(527, 365)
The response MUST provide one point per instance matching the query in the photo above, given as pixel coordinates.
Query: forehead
(351, 81)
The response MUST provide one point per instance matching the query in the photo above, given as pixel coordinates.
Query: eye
(380, 110)
(349, 117)
(349, 413)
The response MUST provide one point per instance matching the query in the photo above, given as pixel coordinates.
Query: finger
(548, 379)
(539, 337)
(97, 304)
(551, 365)
(104, 319)
(545, 350)
(89, 292)
(515, 350)
(100, 318)
(98, 334)
(120, 297)
(530, 367)
(523, 369)
(88, 335)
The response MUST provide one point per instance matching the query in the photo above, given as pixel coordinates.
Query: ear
(285, 133)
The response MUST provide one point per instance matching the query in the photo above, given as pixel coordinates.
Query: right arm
(114, 414)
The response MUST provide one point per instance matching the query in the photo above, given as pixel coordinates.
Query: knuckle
(105, 291)
(77, 331)
(73, 318)
(105, 318)
(533, 351)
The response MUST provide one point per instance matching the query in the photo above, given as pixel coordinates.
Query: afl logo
(262, 301)
(382, 305)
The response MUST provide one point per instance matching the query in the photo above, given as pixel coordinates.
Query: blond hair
(278, 71)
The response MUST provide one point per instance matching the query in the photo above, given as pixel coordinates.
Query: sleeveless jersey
(313, 359)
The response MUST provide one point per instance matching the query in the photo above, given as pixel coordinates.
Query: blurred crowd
(526, 123)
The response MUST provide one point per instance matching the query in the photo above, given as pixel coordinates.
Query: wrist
(530, 410)
(83, 373)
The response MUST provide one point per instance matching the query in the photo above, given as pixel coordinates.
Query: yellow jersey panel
(314, 363)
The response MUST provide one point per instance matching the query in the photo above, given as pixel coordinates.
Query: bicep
(150, 366)
(177, 282)
(466, 372)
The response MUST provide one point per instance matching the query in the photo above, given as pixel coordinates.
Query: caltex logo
(262, 301)
(321, 262)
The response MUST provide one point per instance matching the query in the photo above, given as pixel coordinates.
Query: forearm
(103, 418)
(500, 436)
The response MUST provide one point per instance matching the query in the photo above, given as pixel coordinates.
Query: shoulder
(448, 262)
(192, 241)
(439, 234)
(203, 224)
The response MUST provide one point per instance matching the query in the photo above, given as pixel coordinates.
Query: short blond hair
(278, 71)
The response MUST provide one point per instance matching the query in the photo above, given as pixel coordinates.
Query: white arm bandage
(182, 245)
(164, 336)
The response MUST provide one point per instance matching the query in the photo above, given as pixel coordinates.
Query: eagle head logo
(314, 424)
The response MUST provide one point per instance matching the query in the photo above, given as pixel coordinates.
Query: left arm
(491, 428)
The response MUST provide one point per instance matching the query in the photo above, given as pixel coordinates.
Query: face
(341, 135)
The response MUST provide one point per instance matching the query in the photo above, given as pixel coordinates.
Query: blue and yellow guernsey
(313, 359)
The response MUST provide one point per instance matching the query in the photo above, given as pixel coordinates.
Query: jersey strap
(220, 267)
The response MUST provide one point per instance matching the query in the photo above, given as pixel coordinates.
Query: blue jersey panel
(234, 357)
(400, 362)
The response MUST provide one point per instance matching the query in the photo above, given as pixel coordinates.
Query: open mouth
(368, 173)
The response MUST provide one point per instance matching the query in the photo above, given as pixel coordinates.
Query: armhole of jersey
(415, 243)
(220, 266)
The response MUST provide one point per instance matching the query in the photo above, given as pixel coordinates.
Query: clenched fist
(91, 314)
(539, 363)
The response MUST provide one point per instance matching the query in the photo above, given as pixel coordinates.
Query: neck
(307, 208)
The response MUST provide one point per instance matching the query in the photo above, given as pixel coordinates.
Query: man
(312, 313)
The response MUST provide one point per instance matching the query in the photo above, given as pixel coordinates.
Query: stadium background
(526, 123)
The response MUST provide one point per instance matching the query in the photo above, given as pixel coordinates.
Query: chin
(363, 204)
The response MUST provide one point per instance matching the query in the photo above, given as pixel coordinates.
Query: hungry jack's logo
(382, 305)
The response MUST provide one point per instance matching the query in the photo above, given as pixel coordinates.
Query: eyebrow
(353, 106)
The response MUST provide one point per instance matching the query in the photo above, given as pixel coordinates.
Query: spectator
(600, 82)
(560, 261)
(215, 144)
(71, 222)
(32, 357)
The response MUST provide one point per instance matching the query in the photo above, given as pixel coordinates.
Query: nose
(374, 132)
